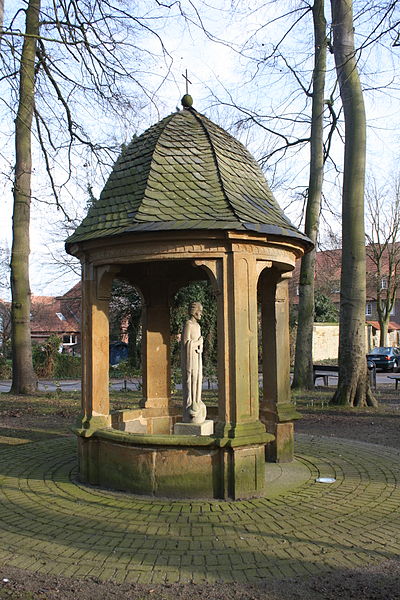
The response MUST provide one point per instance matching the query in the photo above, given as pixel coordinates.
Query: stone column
(156, 346)
(243, 435)
(277, 411)
(243, 346)
(96, 290)
(238, 418)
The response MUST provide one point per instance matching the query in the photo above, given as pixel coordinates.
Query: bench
(325, 371)
(396, 379)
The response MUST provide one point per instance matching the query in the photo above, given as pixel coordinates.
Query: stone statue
(194, 410)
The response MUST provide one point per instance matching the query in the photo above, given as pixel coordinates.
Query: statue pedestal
(206, 428)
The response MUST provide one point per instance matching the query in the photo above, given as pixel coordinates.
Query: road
(74, 385)
(381, 377)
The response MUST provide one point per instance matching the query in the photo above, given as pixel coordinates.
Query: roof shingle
(185, 172)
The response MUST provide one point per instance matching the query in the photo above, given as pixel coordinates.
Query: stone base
(281, 450)
(206, 428)
(176, 466)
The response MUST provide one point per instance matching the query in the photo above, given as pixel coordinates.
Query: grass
(7, 593)
(66, 404)
(319, 400)
(44, 415)
(47, 414)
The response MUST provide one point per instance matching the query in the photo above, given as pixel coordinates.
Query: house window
(61, 316)
(393, 311)
(69, 339)
(368, 309)
(384, 283)
(297, 290)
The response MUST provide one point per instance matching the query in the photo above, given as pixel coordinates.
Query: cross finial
(185, 77)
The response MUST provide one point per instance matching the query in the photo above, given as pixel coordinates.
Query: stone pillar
(96, 290)
(238, 418)
(277, 411)
(243, 350)
(156, 346)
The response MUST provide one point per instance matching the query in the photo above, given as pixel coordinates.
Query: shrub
(67, 365)
(45, 355)
(5, 367)
(125, 368)
(176, 378)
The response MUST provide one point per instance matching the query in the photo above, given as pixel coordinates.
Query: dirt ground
(40, 418)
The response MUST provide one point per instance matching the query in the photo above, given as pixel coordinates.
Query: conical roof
(185, 173)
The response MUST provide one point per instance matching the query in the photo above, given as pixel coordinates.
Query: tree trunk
(303, 366)
(384, 308)
(24, 379)
(353, 384)
(383, 335)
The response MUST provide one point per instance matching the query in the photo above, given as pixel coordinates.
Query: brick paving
(53, 524)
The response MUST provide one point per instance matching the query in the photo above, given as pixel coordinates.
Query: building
(59, 316)
(327, 280)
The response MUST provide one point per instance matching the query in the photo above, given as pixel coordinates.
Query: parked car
(385, 357)
(119, 352)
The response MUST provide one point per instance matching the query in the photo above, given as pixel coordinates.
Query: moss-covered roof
(184, 173)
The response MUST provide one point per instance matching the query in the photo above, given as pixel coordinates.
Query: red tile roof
(58, 315)
(392, 326)
(327, 275)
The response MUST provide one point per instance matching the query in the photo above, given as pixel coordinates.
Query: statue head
(196, 310)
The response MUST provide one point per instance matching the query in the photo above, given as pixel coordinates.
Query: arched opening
(276, 409)
(125, 335)
(147, 304)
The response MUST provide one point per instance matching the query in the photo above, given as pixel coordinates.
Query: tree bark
(384, 305)
(303, 366)
(353, 384)
(24, 379)
(383, 336)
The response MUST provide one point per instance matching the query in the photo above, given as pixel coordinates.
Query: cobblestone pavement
(53, 524)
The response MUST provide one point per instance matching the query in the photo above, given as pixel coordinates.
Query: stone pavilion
(186, 202)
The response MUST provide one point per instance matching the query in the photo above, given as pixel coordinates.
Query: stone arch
(158, 280)
(276, 409)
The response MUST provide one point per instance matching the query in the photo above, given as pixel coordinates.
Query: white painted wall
(326, 340)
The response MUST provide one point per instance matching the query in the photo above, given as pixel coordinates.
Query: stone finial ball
(187, 101)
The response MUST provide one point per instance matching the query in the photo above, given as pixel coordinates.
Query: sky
(228, 64)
